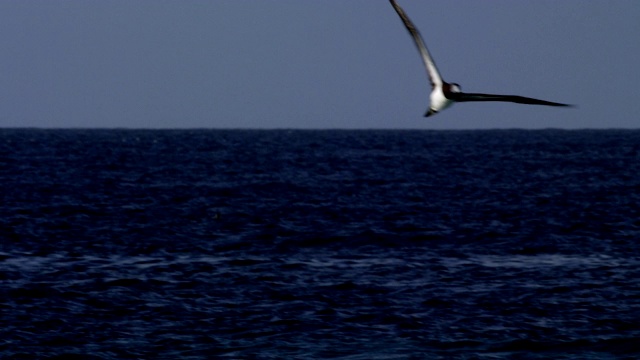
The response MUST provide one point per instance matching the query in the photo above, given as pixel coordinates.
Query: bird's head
(456, 88)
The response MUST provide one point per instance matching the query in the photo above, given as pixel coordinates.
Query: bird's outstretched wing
(432, 71)
(462, 97)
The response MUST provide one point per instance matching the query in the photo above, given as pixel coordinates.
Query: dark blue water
(350, 245)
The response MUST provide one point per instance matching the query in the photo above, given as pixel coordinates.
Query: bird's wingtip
(568, 105)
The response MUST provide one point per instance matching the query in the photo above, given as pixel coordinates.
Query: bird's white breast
(438, 101)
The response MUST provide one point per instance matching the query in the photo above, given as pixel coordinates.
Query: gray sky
(314, 64)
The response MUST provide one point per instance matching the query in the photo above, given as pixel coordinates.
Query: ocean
(292, 244)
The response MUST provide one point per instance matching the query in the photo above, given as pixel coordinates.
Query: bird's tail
(430, 112)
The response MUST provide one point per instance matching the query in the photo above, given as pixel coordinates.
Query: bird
(444, 94)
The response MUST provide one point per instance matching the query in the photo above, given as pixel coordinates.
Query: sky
(310, 64)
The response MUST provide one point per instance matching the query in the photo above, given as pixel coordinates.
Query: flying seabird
(444, 94)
